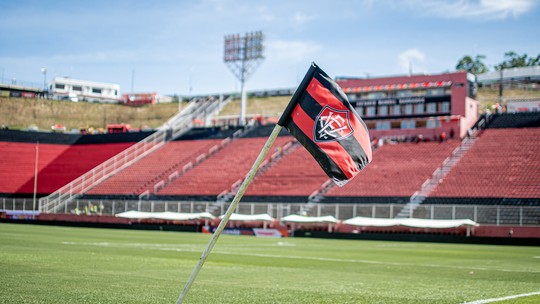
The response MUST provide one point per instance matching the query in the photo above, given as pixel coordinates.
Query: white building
(84, 90)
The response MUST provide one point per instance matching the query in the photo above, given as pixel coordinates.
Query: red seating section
(58, 164)
(296, 174)
(502, 163)
(398, 170)
(18, 162)
(145, 173)
(220, 171)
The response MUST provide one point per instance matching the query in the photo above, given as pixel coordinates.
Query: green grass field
(44, 264)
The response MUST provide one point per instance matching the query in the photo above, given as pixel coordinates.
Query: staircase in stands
(437, 177)
(227, 195)
(319, 194)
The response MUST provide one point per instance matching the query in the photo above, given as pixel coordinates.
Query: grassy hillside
(258, 105)
(490, 96)
(20, 113)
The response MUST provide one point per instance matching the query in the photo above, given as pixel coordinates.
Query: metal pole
(232, 207)
(243, 85)
(35, 181)
(501, 88)
(44, 71)
(243, 101)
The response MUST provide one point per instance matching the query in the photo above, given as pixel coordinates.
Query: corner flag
(321, 118)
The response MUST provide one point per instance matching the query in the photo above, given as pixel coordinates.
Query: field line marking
(372, 262)
(504, 298)
(265, 255)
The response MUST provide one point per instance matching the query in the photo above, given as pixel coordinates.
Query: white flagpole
(232, 207)
(35, 181)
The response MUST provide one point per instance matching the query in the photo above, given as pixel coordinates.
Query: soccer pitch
(45, 264)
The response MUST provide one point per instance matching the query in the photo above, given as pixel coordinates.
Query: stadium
(436, 175)
(434, 158)
(415, 187)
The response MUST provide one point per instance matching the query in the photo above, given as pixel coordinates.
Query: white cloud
(301, 19)
(481, 9)
(412, 59)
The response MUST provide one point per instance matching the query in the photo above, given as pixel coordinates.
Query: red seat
(502, 163)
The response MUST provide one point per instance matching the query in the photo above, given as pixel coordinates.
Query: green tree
(514, 60)
(534, 61)
(472, 65)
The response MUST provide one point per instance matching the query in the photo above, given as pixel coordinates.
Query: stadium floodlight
(243, 54)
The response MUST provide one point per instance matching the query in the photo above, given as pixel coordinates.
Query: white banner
(267, 232)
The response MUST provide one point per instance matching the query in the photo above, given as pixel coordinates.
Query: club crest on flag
(332, 125)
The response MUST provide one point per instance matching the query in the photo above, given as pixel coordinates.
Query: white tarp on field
(250, 217)
(293, 218)
(169, 216)
(408, 222)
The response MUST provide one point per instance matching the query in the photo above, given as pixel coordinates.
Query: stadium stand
(501, 168)
(62, 157)
(396, 172)
(71, 163)
(157, 166)
(516, 120)
(218, 172)
(161, 167)
(294, 178)
(18, 162)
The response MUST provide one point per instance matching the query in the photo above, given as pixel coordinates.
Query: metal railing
(437, 177)
(101, 172)
(482, 214)
(174, 127)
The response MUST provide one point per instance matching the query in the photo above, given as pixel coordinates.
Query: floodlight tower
(243, 54)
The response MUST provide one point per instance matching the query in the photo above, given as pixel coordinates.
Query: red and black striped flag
(321, 118)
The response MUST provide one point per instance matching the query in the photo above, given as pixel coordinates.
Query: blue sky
(176, 47)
